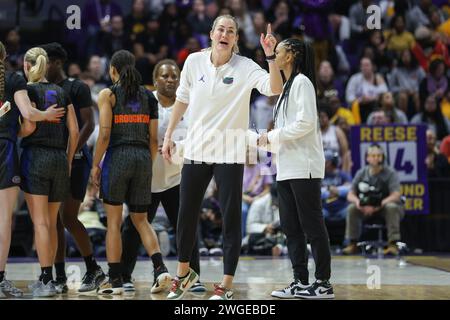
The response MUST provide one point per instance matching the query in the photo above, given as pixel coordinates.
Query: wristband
(272, 57)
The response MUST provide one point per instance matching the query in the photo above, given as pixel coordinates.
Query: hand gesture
(268, 42)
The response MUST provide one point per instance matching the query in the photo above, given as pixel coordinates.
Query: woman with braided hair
(14, 102)
(301, 166)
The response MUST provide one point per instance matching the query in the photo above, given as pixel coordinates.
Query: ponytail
(38, 59)
(129, 78)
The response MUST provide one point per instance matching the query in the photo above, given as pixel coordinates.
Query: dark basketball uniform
(80, 95)
(127, 167)
(9, 127)
(44, 167)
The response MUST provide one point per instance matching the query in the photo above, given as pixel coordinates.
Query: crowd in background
(396, 75)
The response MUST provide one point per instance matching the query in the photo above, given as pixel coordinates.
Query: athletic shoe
(181, 286)
(9, 287)
(350, 249)
(111, 286)
(92, 280)
(222, 293)
(61, 285)
(290, 290)
(198, 287)
(318, 290)
(128, 286)
(34, 285)
(161, 280)
(391, 250)
(44, 290)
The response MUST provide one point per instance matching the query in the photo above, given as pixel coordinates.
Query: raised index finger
(269, 29)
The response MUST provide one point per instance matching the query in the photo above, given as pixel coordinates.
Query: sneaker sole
(281, 297)
(330, 296)
(111, 291)
(164, 282)
(45, 295)
(185, 289)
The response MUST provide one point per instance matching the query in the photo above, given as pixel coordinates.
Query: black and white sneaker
(128, 284)
(318, 290)
(290, 290)
(92, 280)
(162, 279)
(61, 285)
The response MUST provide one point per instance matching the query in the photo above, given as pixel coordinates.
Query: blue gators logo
(228, 80)
(50, 98)
(134, 106)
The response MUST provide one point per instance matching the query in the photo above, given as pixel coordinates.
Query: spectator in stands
(340, 26)
(365, 88)
(380, 118)
(431, 115)
(418, 15)
(155, 45)
(337, 110)
(387, 105)
(210, 228)
(376, 50)
(333, 138)
(436, 82)
(335, 187)
(259, 26)
(15, 50)
(192, 45)
(73, 70)
(261, 112)
(281, 20)
(404, 81)
(375, 192)
(427, 48)
(114, 40)
(256, 183)
(171, 21)
(437, 163)
(263, 226)
(96, 16)
(136, 21)
(198, 20)
(97, 68)
(445, 147)
(358, 19)
(397, 37)
(327, 84)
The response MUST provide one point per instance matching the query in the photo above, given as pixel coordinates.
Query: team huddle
(132, 162)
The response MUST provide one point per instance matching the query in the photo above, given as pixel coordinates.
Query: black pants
(194, 181)
(301, 217)
(131, 240)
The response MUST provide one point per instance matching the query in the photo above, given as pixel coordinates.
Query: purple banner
(405, 149)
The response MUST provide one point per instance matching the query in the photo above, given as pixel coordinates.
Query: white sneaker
(180, 287)
(318, 290)
(289, 291)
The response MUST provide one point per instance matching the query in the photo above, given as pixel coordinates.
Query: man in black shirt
(80, 96)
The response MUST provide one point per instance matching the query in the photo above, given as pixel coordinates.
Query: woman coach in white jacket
(216, 84)
(300, 168)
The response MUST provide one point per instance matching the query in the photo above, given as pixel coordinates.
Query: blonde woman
(216, 85)
(14, 102)
(45, 164)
